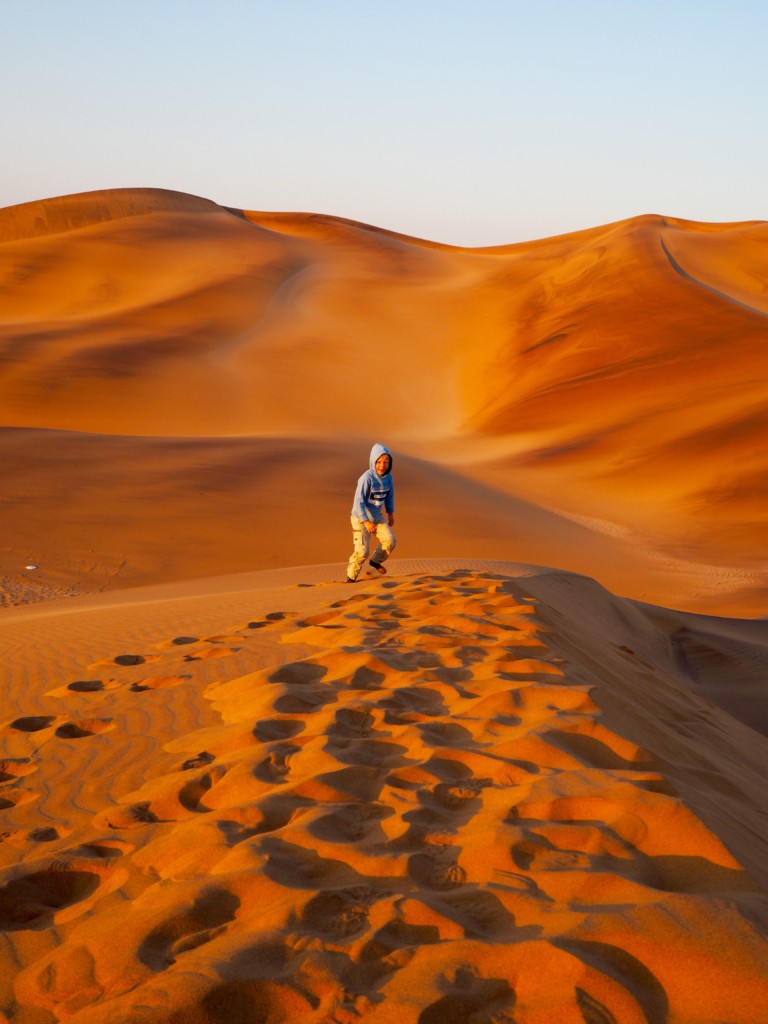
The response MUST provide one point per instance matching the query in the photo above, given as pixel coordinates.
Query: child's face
(382, 465)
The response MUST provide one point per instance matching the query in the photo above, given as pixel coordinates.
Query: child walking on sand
(373, 511)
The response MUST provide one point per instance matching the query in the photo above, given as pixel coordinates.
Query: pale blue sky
(474, 122)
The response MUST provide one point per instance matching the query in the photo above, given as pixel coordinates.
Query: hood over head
(377, 451)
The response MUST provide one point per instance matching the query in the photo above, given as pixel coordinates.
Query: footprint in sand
(297, 867)
(42, 834)
(482, 915)
(271, 814)
(15, 798)
(352, 823)
(446, 805)
(192, 794)
(135, 659)
(372, 752)
(211, 652)
(325, 620)
(299, 673)
(158, 683)
(178, 641)
(447, 734)
(354, 599)
(276, 765)
(31, 900)
(68, 730)
(367, 678)
(84, 686)
(14, 768)
(125, 660)
(304, 691)
(352, 722)
(271, 619)
(128, 816)
(11, 770)
(208, 917)
(270, 729)
(35, 723)
(417, 699)
(472, 997)
(339, 915)
(90, 685)
(78, 730)
(398, 936)
(538, 854)
(200, 761)
(307, 701)
(462, 797)
(437, 868)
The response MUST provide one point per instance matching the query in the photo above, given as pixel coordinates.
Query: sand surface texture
(469, 794)
(236, 790)
(594, 401)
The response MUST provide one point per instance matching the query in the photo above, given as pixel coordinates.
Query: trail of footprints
(430, 785)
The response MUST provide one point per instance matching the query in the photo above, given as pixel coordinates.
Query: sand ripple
(416, 812)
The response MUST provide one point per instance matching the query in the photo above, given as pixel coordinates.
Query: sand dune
(594, 401)
(478, 790)
(479, 793)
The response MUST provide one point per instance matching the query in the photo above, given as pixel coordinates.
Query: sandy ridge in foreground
(482, 790)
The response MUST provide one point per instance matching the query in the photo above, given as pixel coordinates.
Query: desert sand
(518, 780)
(594, 401)
(481, 793)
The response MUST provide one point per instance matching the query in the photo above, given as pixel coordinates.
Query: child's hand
(391, 519)
(370, 527)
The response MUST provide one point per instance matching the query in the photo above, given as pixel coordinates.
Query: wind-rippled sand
(464, 795)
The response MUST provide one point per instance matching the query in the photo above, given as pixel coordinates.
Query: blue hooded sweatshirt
(375, 492)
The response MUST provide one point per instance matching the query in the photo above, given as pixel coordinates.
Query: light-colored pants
(361, 539)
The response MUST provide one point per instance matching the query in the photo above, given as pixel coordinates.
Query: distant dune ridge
(479, 790)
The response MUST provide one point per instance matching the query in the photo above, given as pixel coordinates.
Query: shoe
(378, 568)
(350, 580)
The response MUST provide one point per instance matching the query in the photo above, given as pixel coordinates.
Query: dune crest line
(702, 284)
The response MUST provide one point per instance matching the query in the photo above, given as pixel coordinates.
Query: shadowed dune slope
(480, 793)
(613, 378)
(99, 512)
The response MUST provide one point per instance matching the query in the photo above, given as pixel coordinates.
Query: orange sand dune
(476, 790)
(595, 400)
(468, 794)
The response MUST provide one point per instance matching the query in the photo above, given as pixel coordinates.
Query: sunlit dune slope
(143, 311)
(638, 362)
(458, 795)
(189, 319)
(614, 378)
